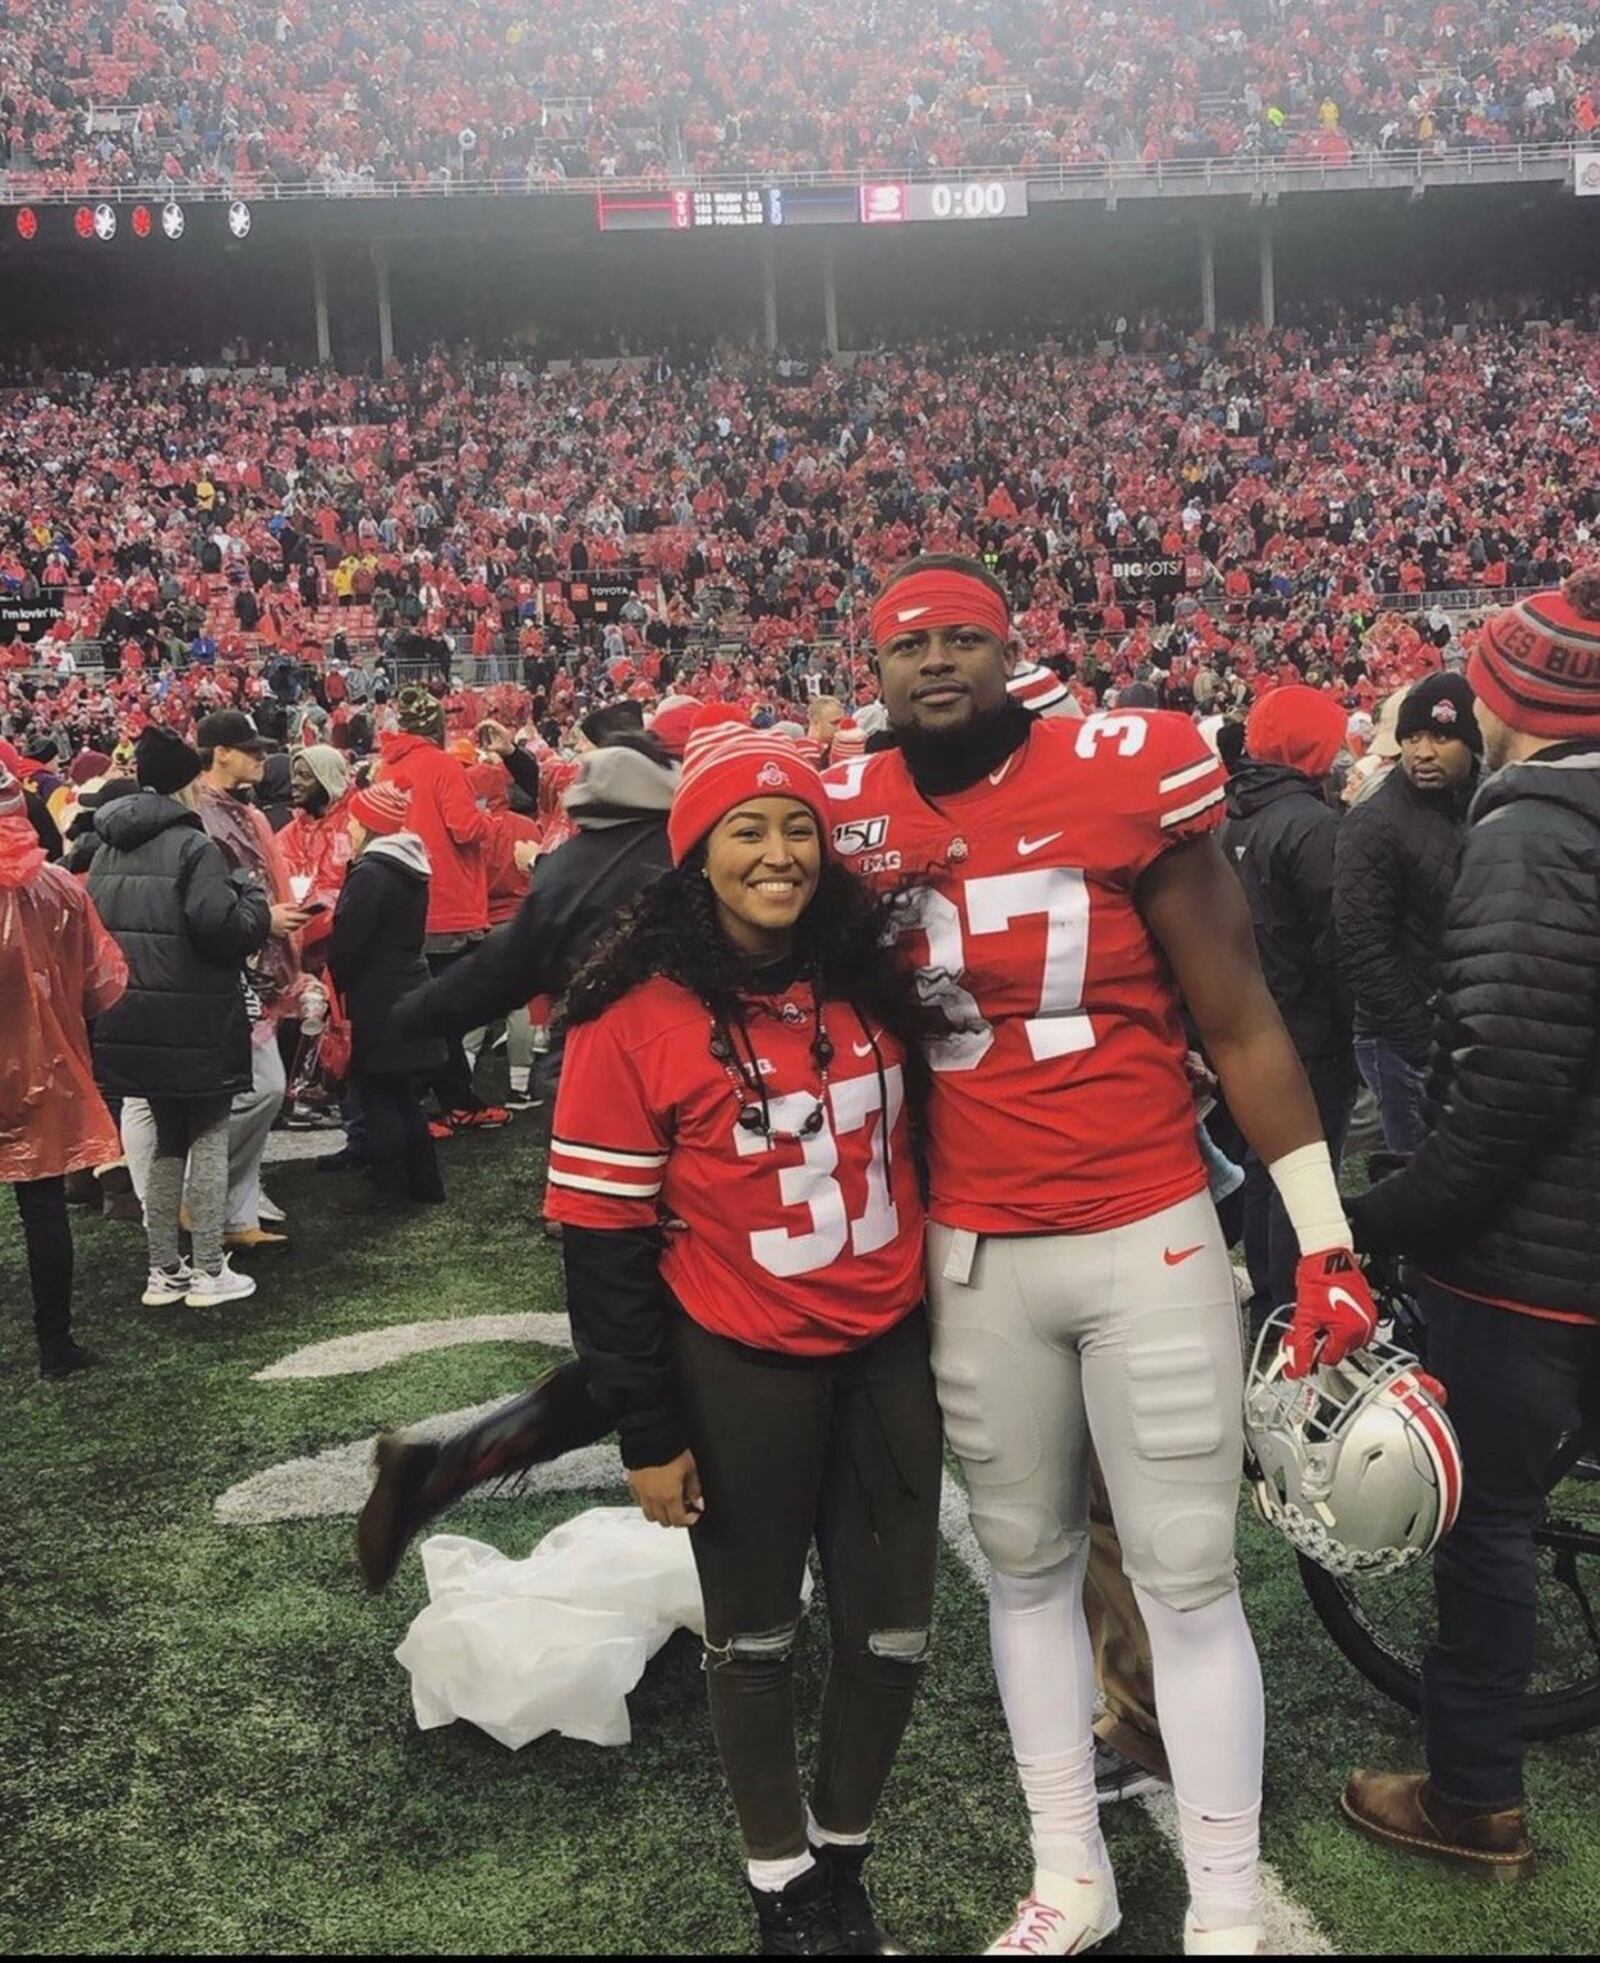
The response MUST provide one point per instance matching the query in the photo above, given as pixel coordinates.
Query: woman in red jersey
(733, 1166)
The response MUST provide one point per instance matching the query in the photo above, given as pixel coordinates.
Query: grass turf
(205, 1744)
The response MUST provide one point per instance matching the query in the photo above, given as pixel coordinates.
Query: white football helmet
(1357, 1466)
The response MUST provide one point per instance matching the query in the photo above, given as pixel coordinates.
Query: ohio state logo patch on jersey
(859, 835)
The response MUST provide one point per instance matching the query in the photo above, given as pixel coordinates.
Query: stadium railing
(1248, 172)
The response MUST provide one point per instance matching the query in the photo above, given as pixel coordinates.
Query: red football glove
(1334, 1312)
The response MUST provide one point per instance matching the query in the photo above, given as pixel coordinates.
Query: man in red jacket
(456, 832)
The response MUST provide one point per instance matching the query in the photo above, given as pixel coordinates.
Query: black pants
(47, 1234)
(1522, 1394)
(451, 1083)
(1271, 1251)
(396, 1142)
(844, 1451)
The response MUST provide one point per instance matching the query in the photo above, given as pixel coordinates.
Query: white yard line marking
(372, 1349)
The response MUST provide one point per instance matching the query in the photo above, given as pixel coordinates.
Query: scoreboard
(686, 209)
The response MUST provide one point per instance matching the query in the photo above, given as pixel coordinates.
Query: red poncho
(59, 968)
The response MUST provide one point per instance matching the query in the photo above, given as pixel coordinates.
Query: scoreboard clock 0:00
(977, 198)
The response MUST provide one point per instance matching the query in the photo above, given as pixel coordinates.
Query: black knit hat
(1441, 706)
(164, 762)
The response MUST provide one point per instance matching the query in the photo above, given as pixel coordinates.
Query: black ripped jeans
(844, 1451)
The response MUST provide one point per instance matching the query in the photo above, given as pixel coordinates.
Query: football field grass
(205, 1743)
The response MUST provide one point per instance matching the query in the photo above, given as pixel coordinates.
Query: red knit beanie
(1302, 728)
(382, 808)
(1537, 664)
(725, 763)
(12, 803)
(849, 740)
(671, 725)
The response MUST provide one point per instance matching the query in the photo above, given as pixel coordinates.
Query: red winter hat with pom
(381, 809)
(1537, 664)
(725, 763)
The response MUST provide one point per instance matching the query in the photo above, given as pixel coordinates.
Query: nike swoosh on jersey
(1026, 847)
(862, 1049)
(1182, 1254)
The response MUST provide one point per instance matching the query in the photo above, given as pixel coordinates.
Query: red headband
(938, 599)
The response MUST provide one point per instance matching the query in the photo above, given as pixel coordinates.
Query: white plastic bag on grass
(554, 1642)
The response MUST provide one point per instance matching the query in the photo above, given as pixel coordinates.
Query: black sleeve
(355, 920)
(44, 826)
(515, 963)
(227, 916)
(621, 1317)
(1369, 907)
(1520, 1007)
(1312, 852)
(523, 767)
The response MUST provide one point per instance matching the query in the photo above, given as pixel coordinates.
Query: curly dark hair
(845, 945)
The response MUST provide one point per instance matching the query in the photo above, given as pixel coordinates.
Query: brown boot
(1403, 1810)
(119, 1199)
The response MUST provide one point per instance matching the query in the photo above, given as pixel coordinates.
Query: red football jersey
(809, 1246)
(1063, 1106)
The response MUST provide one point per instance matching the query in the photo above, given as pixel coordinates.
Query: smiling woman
(733, 1164)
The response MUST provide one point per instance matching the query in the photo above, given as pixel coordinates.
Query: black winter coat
(1395, 866)
(186, 926)
(375, 955)
(1279, 835)
(578, 893)
(1502, 1200)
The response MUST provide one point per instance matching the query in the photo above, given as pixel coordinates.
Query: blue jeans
(1523, 1395)
(1397, 1085)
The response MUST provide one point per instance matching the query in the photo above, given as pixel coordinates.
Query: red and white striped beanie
(725, 763)
(382, 808)
(849, 740)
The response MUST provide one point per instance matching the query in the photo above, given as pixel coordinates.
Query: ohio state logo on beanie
(725, 763)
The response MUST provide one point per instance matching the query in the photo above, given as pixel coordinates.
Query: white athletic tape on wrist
(1310, 1194)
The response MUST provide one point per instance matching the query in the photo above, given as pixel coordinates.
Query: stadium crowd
(246, 925)
(237, 538)
(187, 92)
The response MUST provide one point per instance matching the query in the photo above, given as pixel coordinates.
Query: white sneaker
(269, 1213)
(1062, 1917)
(1245, 1939)
(167, 1285)
(207, 1291)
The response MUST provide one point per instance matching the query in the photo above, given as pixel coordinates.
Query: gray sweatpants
(1130, 1337)
(192, 1133)
(249, 1127)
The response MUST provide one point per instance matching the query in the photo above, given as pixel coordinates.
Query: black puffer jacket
(186, 926)
(375, 954)
(1502, 1200)
(1393, 872)
(1280, 837)
(620, 807)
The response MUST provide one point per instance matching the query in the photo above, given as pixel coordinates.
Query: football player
(1067, 896)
